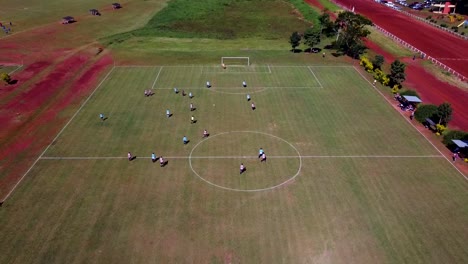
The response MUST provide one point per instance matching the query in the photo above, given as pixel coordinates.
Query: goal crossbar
(244, 61)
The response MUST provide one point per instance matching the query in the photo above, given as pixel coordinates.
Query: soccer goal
(235, 61)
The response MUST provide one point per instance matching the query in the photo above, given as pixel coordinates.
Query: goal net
(235, 61)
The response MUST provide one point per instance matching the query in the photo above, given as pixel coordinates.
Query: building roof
(412, 99)
(460, 143)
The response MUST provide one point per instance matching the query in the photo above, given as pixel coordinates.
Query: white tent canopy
(412, 99)
(460, 143)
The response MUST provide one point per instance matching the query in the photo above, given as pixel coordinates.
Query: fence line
(411, 47)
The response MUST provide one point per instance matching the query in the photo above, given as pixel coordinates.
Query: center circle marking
(246, 190)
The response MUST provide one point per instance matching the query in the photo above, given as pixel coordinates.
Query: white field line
(19, 67)
(56, 137)
(157, 77)
(269, 69)
(311, 71)
(254, 87)
(411, 123)
(221, 72)
(254, 157)
(201, 66)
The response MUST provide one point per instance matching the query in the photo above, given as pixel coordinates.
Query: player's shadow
(169, 115)
(164, 164)
(104, 119)
(194, 121)
(244, 170)
(133, 158)
(186, 142)
(193, 109)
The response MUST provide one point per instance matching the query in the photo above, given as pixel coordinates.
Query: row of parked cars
(413, 5)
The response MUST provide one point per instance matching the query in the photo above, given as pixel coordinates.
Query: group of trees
(311, 38)
(349, 29)
(397, 71)
(441, 114)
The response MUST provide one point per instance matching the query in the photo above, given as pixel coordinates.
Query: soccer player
(129, 156)
(168, 113)
(162, 162)
(263, 157)
(208, 84)
(101, 116)
(190, 95)
(183, 92)
(176, 91)
(253, 106)
(260, 152)
(191, 107)
(244, 84)
(242, 168)
(153, 157)
(185, 140)
(205, 133)
(248, 97)
(192, 120)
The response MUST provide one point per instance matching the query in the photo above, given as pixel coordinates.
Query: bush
(429, 18)
(395, 89)
(440, 128)
(409, 92)
(381, 77)
(453, 134)
(367, 64)
(443, 25)
(426, 111)
(463, 33)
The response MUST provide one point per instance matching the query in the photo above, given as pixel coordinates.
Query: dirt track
(447, 48)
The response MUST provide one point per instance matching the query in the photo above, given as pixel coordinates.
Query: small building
(443, 7)
(116, 6)
(68, 20)
(94, 12)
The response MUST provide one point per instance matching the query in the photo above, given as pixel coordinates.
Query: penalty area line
(157, 77)
(315, 76)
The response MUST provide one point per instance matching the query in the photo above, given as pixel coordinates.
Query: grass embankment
(192, 30)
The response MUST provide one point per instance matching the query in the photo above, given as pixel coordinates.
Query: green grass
(226, 19)
(349, 203)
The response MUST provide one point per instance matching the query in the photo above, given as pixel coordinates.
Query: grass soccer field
(347, 179)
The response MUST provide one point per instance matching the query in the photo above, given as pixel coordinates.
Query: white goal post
(235, 61)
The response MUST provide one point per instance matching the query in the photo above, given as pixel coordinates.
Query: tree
(397, 72)
(425, 111)
(378, 61)
(5, 77)
(444, 111)
(326, 25)
(311, 37)
(295, 40)
(351, 29)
